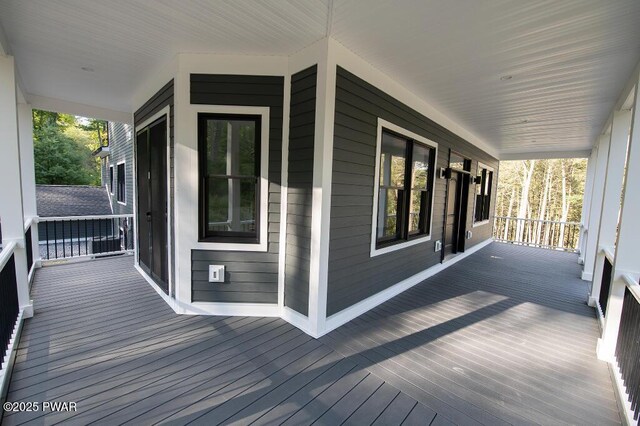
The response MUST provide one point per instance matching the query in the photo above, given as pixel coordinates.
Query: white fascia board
(544, 155)
(158, 77)
(353, 63)
(84, 110)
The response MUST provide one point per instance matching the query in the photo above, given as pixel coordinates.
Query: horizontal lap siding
(251, 277)
(163, 98)
(121, 149)
(353, 274)
(299, 192)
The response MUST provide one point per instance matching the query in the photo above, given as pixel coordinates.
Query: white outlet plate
(438, 245)
(216, 273)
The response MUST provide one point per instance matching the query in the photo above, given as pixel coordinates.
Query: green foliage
(63, 150)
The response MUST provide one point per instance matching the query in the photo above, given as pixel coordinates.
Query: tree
(63, 150)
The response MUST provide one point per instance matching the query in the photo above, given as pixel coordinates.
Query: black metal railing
(66, 237)
(628, 349)
(29, 248)
(548, 234)
(9, 308)
(605, 285)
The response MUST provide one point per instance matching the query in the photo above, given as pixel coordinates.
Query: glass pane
(387, 213)
(482, 173)
(218, 205)
(392, 160)
(420, 172)
(456, 161)
(247, 205)
(231, 147)
(232, 205)
(487, 182)
(417, 204)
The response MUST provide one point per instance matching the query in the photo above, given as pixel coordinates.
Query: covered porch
(501, 337)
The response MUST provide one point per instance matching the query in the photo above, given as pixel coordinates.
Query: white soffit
(568, 61)
(124, 41)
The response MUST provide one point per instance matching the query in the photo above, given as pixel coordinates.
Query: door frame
(166, 113)
(463, 208)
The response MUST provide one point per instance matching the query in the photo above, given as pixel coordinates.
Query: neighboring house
(117, 167)
(67, 220)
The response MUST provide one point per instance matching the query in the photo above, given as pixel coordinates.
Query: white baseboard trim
(622, 396)
(298, 320)
(587, 276)
(346, 315)
(7, 366)
(213, 308)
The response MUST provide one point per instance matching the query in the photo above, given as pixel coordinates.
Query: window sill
(217, 246)
(121, 203)
(484, 222)
(388, 249)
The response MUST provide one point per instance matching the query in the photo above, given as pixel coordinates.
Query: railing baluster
(55, 237)
(556, 235)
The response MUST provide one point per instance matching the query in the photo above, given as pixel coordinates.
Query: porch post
(595, 208)
(586, 203)
(606, 231)
(28, 174)
(11, 212)
(626, 255)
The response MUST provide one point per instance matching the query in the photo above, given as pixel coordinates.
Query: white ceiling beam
(544, 155)
(83, 110)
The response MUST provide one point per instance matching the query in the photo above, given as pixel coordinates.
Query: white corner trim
(156, 79)
(264, 113)
(346, 315)
(284, 189)
(383, 124)
(298, 320)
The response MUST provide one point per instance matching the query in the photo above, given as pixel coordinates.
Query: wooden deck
(502, 337)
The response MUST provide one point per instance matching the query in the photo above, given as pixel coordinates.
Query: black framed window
(405, 188)
(483, 193)
(229, 190)
(111, 179)
(121, 183)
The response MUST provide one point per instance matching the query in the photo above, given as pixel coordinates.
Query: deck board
(502, 337)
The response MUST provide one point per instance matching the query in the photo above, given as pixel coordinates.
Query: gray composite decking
(502, 337)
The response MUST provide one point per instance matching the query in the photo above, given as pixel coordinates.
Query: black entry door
(152, 201)
(456, 205)
(452, 218)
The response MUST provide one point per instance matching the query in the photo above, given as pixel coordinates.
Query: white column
(595, 209)
(11, 191)
(586, 202)
(28, 174)
(626, 255)
(610, 208)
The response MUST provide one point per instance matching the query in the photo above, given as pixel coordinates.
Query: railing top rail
(6, 253)
(536, 220)
(608, 252)
(29, 221)
(95, 217)
(632, 285)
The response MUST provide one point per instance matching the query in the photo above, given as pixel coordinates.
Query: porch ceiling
(568, 61)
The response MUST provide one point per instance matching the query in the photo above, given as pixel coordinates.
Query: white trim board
(212, 308)
(264, 113)
(338, 319)
(384, 124)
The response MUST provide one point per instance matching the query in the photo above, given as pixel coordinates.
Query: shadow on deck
(502, 337)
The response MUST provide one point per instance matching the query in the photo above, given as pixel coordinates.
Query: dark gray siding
(299, 192)
(120, 149)
(353, 274)
(161, 99)
(251, 276)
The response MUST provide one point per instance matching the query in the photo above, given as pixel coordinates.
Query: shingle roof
(72, 200)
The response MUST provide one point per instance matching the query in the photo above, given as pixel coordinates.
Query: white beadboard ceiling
(568, 60)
